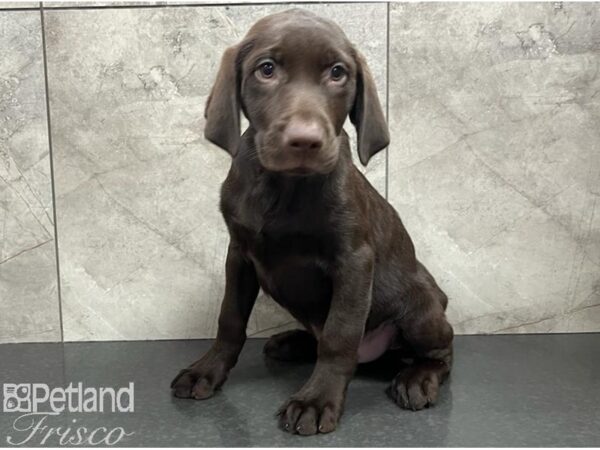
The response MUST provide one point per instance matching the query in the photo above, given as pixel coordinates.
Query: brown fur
(308, 228)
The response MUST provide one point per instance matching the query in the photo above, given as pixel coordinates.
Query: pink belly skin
(376, 342)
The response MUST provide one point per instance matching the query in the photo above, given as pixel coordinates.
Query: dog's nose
(303, 136)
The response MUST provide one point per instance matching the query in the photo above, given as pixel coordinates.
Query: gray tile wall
(29, 302)
(494, 164)
(19, 5)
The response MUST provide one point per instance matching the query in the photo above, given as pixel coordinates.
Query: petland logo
(38, 404)
(39, 398)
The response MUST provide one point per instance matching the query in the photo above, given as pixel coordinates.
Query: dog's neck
(277, 194)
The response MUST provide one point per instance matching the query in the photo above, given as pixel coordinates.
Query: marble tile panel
(29, 305)
(18, 5)
(494, 164)
(142, 243)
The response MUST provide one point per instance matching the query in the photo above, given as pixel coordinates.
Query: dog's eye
(338, 72)
(266, 70)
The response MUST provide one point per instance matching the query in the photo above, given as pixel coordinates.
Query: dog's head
(296, 77)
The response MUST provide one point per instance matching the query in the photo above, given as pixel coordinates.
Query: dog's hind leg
(428, 335)
(293, 345)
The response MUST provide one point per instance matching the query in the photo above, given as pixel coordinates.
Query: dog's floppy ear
(222, 111)
(367, 115)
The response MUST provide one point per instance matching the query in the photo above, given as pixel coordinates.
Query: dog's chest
(289, 234)
(293, 265)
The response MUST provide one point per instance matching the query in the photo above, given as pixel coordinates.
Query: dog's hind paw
(293, 345)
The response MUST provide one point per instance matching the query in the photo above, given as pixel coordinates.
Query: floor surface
(511, 390)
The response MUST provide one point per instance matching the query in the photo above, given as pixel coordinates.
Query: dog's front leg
(318, 406)
(200, 380)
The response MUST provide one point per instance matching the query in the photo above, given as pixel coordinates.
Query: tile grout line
(20, 9)
(51, 153)
(193, 5)
(387, 100)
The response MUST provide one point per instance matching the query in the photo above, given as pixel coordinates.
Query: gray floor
(533, 390)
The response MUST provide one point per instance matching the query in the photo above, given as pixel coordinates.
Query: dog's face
(298, 86)
(297, 78)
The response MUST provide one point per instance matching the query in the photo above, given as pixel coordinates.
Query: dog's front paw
(200, 380)
(307, 416)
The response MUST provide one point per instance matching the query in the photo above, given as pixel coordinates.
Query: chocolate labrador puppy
(309, 229)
